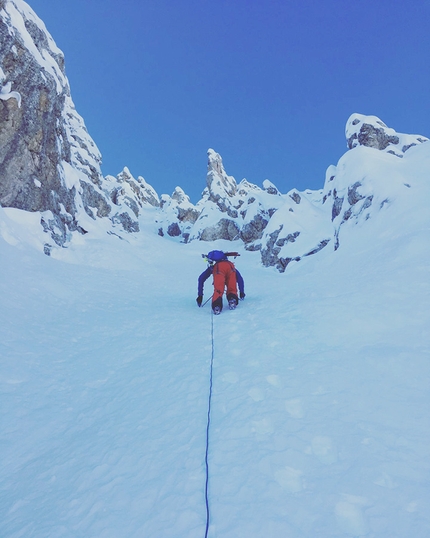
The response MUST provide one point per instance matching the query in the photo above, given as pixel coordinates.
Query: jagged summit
(50, 166)
(218, 183)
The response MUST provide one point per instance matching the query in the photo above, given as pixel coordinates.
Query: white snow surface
(6, 93)
(320, 403)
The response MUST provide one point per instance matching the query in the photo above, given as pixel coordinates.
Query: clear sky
(268, 84)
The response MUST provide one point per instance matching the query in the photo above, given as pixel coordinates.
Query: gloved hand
(242, 295)
(199, 300)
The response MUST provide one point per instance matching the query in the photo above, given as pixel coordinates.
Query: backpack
(216, 255)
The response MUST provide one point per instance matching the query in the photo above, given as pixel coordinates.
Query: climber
(225, 276)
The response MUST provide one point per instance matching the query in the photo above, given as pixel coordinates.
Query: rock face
(48, 162)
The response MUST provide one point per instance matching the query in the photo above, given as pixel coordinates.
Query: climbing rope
(207, 300)
(207, 429)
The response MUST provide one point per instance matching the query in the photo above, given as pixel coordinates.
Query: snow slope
(320, 404)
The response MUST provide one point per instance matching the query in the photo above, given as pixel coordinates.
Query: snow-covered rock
(370, 131)
(299, 228)
(233, 211)
(366, 181)
(177, 215)
(48, 160)
(221, 188)
(129, 196)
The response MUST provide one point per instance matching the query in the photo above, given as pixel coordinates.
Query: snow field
(319, 423)
(317, 420)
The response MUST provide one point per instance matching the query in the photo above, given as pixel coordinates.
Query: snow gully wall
(48, 161)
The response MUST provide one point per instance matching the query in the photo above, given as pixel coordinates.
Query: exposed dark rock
(272, 190)
(126, 222)
(223, 229)
(337, 205)
(336, 239)
(367, 203)
(392, 152)
(253, 246)
(254, 229)
(219, 184)
(137, 189)
(347, 214)
(188, 215)
(372, 137)
(319, 247)
(353, 195)
(283, 263)
(232, 213)
(291, 238)
(269, 253)
(131, 203)
(326, 196)
(296, 197)
(173, 230)
(93, 199)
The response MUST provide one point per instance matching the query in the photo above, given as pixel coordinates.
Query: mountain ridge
(51, 166)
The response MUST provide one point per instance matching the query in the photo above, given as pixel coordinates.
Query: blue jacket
(206, 274)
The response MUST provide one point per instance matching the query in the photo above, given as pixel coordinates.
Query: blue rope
(207, 300)
(207, 430)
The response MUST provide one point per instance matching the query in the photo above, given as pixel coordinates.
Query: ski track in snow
(319, 423)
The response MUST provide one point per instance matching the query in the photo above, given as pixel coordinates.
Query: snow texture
(319, 420)
(319, 417)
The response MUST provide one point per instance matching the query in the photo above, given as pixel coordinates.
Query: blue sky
(268, 84)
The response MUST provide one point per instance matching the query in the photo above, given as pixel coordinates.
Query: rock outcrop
(371, 132)
(129, 196)
(177, 215)
(354, 191)
(48, 161)
(233, 211)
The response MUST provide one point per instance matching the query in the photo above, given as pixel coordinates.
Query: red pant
(224, 276)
